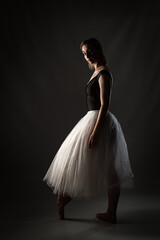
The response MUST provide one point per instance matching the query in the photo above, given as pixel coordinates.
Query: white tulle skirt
(85, 172)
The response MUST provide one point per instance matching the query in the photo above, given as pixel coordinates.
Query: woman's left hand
(93, 140)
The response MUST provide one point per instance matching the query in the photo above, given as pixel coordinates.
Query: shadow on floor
(137, 223)
(140, 222)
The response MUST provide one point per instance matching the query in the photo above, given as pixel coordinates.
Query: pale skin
(92, 57)
(104, 84)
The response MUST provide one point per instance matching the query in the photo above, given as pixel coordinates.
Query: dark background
(43, 86)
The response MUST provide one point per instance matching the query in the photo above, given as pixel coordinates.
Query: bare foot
(106, 217)
(61, 202)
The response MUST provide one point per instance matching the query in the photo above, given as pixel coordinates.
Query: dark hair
(96, 44)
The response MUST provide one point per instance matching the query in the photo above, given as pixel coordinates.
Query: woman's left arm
(104, 84)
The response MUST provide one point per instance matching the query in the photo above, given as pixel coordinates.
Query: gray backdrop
(44, 77)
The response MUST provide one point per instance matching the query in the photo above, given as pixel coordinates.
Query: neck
(97, 66)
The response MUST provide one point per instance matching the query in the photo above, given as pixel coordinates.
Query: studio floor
(138, 218)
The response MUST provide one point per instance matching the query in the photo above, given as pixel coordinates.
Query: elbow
(104, 107)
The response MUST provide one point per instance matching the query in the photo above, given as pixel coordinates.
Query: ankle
(111, 213)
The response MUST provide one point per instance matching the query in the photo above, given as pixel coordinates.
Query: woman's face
(90, 53)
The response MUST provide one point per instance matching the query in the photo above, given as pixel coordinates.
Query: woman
(94, 156)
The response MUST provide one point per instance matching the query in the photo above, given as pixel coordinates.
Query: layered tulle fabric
(83, 172)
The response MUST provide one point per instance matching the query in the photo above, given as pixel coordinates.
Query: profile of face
(90, 53)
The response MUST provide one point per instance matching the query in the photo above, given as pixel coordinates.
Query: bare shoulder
(104, 78)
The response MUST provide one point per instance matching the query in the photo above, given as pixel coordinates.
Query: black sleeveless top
(93, 91)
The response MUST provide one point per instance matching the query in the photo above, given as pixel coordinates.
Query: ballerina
(94, 157)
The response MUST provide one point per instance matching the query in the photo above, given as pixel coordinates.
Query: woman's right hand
(93, 140)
